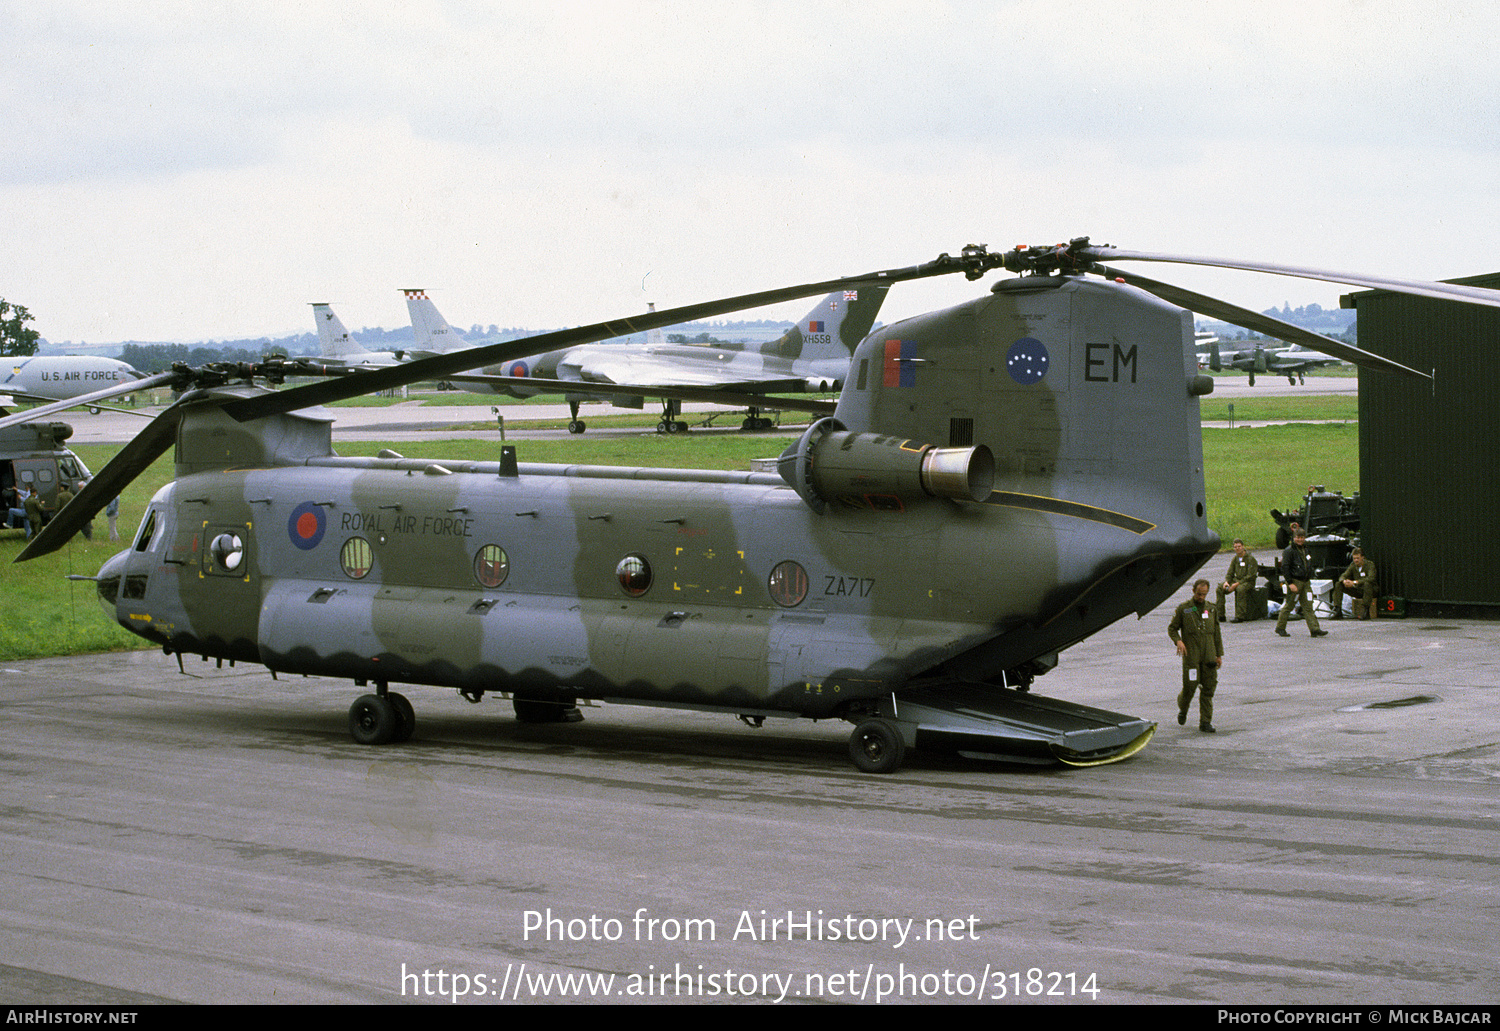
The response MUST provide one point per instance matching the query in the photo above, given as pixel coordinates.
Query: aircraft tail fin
(431, 333)
(655, 336)
(333, 339)
(835, 326)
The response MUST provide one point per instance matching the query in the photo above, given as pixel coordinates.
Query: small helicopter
(996, 482)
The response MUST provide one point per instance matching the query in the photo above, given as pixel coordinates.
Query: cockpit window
(148, 527)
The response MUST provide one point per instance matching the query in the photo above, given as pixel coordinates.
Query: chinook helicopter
(996, 482)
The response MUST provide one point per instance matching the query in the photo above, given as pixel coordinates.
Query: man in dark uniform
(37, 514)
(1296, 570)
(1359, 581)
(1195, 631)
(1241, 580)
(65, 495)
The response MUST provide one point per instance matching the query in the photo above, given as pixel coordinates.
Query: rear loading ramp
(987, 722)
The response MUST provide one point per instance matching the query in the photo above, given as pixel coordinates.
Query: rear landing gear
(670, 423)
(755, 421)
(876, 747)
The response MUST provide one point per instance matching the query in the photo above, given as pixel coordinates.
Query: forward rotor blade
(132, 460)
(1217, 309)
(973, 262)
(1416, 287)
(83, 401)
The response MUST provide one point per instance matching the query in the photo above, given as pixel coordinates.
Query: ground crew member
(65, 495)
(1241, 580)
(1195, 631)
(37, 514)
(1359, 581)
(1296, 570)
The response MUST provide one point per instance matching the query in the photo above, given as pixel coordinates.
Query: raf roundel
(518, 370)
(306, 525)
(1027, 361)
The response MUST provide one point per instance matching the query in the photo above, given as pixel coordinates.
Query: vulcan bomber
(996, 481)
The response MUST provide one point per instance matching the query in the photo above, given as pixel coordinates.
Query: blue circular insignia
(1027, 361)
(306, 525)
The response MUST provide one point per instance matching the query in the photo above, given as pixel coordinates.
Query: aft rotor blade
(973, 262)
(84, 400)
(132, 460)
(1217, 309)
(1416, 287)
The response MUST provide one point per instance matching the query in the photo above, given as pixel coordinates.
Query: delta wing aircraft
(60, 377)
(811, 357)
(998, 481)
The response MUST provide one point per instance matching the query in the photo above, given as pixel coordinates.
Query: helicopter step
(980, 721)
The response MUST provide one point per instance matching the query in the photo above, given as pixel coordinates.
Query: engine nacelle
(870, 470)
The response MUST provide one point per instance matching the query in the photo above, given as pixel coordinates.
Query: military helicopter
(996, 482)
(33, 455)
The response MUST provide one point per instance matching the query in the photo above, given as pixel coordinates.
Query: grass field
(1248, 471)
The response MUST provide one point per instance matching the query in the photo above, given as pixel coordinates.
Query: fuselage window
(148, 527)
(787, 584)
(491, 566)
(228, 551)
(634, 574)
(356, 558)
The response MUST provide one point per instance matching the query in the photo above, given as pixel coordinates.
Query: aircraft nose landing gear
(381, 718)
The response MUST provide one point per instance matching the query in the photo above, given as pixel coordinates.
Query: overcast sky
(196, 170)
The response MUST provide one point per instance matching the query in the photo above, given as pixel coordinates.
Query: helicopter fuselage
(706, 590)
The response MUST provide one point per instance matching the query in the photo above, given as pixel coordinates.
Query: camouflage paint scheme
(1084, 393)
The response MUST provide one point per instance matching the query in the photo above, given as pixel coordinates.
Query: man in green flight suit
(1359, 581)
(1241, 580)
(1195, 631)
(1296, 570)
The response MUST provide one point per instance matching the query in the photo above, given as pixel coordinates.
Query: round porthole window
(634, 574)
(491, 566)
(356, 558)
(228, 551)
(788, 584)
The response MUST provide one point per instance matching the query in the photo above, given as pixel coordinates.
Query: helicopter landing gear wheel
(877, 747)
(406, 714)
(577, 426)
(373, 720)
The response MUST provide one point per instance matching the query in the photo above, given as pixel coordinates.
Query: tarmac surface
(216, 837)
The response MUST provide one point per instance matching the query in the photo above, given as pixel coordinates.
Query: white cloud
(193, 170)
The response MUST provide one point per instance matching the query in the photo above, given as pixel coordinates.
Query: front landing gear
(382, 718)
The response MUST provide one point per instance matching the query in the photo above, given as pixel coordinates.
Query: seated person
(1241, 580)
(1359, 582)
